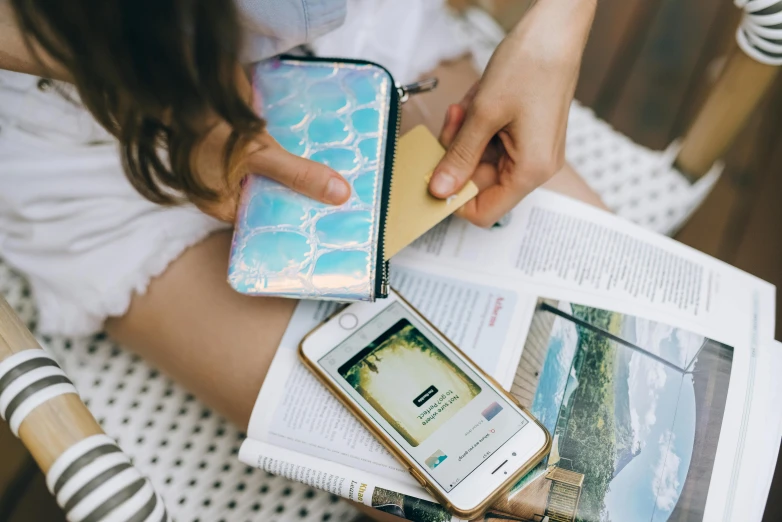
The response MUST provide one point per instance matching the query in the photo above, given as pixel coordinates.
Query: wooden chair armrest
(730, 103)
(85, 469)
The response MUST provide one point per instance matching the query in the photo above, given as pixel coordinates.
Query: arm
(508, 133)
(15, 54)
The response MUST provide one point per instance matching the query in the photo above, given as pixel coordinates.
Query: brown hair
(153, 73)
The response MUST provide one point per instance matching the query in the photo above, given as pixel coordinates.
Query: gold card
(412, 210)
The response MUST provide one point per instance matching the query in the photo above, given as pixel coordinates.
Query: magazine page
(399, 499)
(650, 363)
(764, 434)
(558, 244)
(295, 411)
(637, 409)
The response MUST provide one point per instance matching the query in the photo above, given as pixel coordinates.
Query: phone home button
(348, 321)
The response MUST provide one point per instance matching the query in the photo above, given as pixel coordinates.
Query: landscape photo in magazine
(635, 409)
(408, 508)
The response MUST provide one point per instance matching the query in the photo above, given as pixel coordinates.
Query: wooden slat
(618, 35)
(647, 108)
(611, 20)
(740, 221)
(735, 96)
(718, 225)
(751, 174)
(13, 458)
(774, 505)
(759, 251)
(719, 42)
(36, 504)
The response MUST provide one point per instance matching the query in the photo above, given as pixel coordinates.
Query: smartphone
(464, 438)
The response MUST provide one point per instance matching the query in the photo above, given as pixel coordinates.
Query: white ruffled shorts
(69, 219)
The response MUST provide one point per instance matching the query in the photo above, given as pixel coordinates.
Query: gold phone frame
(402, 457)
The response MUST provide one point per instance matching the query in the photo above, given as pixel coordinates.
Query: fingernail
(337, 191)
(448, 116)
(443, 184)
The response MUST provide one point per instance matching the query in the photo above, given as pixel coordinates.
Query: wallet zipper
(399, 95)
(394, 123)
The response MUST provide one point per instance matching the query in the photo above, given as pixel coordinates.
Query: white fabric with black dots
(188, 453)
(636, 183)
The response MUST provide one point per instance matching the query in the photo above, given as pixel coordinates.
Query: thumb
(310, 178)
(463, 155)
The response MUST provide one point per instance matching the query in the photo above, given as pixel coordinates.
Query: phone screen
(438, 410)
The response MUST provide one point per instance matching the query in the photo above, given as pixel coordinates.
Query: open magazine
(652, 365)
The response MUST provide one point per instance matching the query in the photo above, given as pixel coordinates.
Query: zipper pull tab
(426, 85)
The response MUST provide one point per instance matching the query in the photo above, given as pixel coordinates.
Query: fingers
(454, 117)
(489, 205)
(310, 178)
(485, 176)
(465, 150)
(513, 181)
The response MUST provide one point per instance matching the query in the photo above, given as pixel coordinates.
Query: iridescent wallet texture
(346, 115)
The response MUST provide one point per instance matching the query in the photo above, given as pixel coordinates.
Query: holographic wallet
(345, 114)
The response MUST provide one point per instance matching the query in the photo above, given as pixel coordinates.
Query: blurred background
(646, 70)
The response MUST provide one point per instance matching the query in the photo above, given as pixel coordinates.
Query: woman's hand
(264, 156)
(508, 133)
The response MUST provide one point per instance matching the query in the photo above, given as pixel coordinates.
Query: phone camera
(514, 453)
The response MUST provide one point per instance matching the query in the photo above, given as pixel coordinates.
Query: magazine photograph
(634, 407)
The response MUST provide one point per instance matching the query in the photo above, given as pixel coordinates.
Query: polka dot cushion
(636, 183)
(187, 451)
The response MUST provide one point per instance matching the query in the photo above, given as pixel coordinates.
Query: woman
(163, 79)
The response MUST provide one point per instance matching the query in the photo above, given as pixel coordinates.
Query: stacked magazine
(652, 365)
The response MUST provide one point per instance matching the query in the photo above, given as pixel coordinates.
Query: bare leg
(212, 340)
(192, 325)
(568, 182)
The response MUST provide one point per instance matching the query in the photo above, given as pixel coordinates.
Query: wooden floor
(646, 68)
